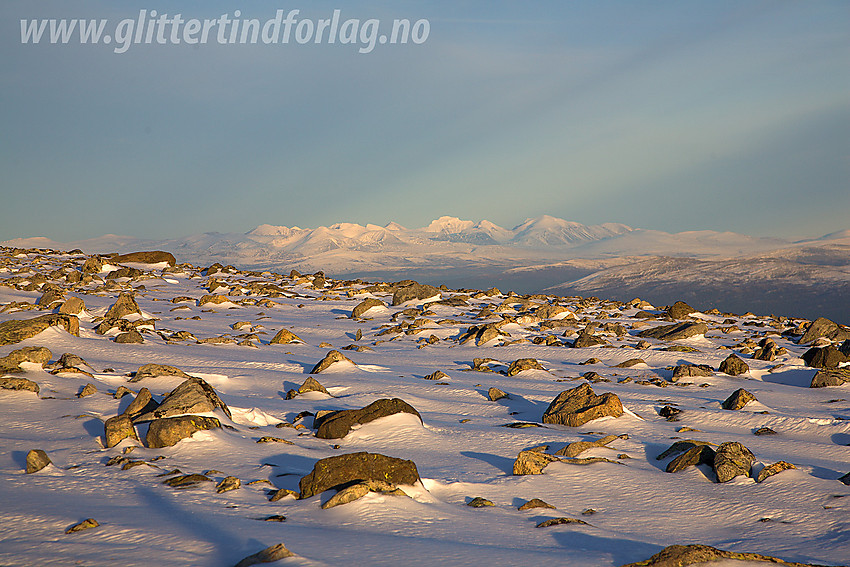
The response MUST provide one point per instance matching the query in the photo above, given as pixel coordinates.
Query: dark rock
(767, 350)
(479, 502)
(20, 384)
(680, 310)
(192, 396)
(732, 459)
(118, 428)
(284, 337)
(523, 364)
(822, 327)
(337, 425)
(365, 306)
(84, 525)
(680, 446)
(268, 555)
(131, 337)
(148, 257)
(170, 430)
(824, 357)
(186, 480)
(692, 370)
(845, 479)
(833, 377)
(342, 470)
(675, 332)
(579, 405)
(764, 431)
(413, 290)
(330, 358)
(15, 331)
(738, 399)
(734, 366)
(153, 370)
(37, 459)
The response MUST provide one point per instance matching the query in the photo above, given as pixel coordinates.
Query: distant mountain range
(731, 271)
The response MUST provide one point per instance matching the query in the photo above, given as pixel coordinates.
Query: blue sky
(669, 115)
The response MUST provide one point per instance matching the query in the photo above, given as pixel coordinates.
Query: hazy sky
(669, 115)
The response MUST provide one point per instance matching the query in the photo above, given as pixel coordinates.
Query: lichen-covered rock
(824, 357)
(15, 331)
(11, 363)
(330, 358)
(773, 469)
(131, 337)
(365, 305)
(579, 405)
(268, 555)
(123, 306)
(578, 447)
(683, 555)
(832, 377)
(522, 365)
(37, 459)
(824, 328)
(337, 425)
(284, 337)
(118, 428)
(532, 462)
(152, 370)
(342, 470)
(143, 403)
(19, 384)
(147, 257)
(732, 459)
(228, 483)
(191, 397)
(691, 370)
(309, 385)
(680, 310)
(413, 290)
(696, 455)
(535, 503)
(84, 525)
(72, 306)
(675, 332)
(738, 399)
(169, 431)
(496, 394)
(734, 366)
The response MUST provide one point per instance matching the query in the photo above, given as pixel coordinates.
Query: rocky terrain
(156, 412)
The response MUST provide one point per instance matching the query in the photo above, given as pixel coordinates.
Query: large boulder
(732, 459)
(832, 377)
(149, 257)
(407, 291)
(823, 327)
(734, 366)
(579, 405)
(123, 306)
(365, 306)
(118, 428)
(192, 396)
(11, 363)
(692, 371)
(337, 425)
(680, 310)
(676, 331)
(169, 431)
(15, 331)
(20, 384)
(343, 470)
(824, 357)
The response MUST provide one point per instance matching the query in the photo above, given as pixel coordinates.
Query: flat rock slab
(773, 469)
(169, 431)
(675, 332)
(147, 257)
(338, 424)
(11, 363)
(15, 331)
(579, 405)
(343, 470)
(692, 370)
(578, 447)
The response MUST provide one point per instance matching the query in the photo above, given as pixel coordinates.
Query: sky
(679, 115)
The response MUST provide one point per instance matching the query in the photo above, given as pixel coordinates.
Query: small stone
(479, 502)
(522, 365)
(764, 431)
(37, 459)
(438, 375)
(535, 503)
(496, 394)
(88, 390)
(270, 439)
(532, 462)
(282, 493)
(84, 525)
(285, 337)
(560, 521)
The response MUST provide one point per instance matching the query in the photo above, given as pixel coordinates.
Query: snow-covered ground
(631, 506)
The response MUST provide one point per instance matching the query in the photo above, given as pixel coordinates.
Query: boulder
(141, 404)
(15, 331)
(413, 290)
(37, 459)
(436, 375)
(680, 310)
(578, 447)
(19, 384)
(587, 339)
(695, 455)
(824, 328)
(734, 366)
(696, 554)
(692, 371)
(496, 394)
(309, 385)
(343, 470)
(86, 524)
(732, 459)
(532, 462)
(132, 336)
(153, 370)
(88, 390)
(11, 363)
(337, 425)
(170, 430)
(738, 400)
(118, 428)
(92, 265)
(824, 357)
(832, 377)
(579, 405)
(330, 358)
(767, 350)
(524, 364)
(192, 396)
(228, 483)
(268, 555)
(365, 306)
(149, 257)
(72, 306)
(123, 306)
(284, 337)
(535, 503)
(675, 332)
